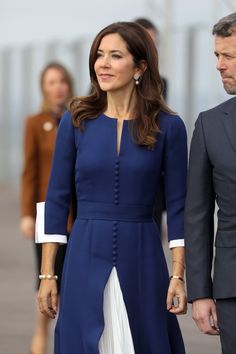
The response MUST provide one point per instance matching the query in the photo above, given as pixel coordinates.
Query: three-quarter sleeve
(52, 217)
(175, 173)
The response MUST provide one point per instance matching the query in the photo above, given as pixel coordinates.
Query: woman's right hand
(27, 226)
(48, 297)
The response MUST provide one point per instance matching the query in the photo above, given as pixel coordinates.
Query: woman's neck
(121, 106)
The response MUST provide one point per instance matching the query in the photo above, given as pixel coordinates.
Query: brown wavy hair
(45, 107)
(150, 102)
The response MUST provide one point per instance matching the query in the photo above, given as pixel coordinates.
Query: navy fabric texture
(115, 228)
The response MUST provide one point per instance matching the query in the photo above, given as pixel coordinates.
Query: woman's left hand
(176, 297)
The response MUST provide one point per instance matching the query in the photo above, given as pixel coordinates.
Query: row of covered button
(116, 201)
(117, 184)
(114, 242)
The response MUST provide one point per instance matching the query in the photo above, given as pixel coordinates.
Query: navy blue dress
(114, 227)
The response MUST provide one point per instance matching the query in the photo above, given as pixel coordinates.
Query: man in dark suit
(212, 178)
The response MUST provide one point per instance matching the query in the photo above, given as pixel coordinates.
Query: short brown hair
(147, 24)
(226, 26)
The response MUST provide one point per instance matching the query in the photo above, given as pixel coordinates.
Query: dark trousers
(226, 314)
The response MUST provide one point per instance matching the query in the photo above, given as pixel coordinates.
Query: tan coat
(39, 141)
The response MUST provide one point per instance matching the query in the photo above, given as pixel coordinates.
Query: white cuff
(40, 236)
(176, 243)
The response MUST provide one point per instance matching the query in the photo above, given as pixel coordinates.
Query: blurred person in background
(212, 179)
(39, 140)
(160, 204)
(116, 295)
(154, 33)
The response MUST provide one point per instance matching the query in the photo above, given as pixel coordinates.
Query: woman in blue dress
(115, 144)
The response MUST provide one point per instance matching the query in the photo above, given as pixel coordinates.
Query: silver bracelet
(48, 276)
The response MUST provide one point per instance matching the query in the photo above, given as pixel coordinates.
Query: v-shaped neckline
(115, 119)
(119, 139)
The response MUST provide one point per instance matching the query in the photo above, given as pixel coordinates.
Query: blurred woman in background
(39, 139)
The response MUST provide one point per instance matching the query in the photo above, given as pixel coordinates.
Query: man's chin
(231, 90)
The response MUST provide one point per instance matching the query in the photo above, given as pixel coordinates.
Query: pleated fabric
(116, 337)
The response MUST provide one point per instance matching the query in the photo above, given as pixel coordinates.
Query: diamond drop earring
(136, 80)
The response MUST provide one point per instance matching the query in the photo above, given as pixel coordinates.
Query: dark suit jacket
(39, 140)
(212, 177)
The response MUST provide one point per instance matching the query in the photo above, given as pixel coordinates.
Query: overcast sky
(25, 21)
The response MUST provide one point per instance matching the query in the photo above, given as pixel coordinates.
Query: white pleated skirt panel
(116, 337)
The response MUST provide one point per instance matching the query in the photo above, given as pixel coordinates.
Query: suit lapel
(230, 122)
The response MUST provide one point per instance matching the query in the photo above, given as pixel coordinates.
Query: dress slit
(119, 137)
(116, 337)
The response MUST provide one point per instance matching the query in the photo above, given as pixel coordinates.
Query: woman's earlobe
(137, 79)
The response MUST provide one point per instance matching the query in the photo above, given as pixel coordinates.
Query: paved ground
(17, 285)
